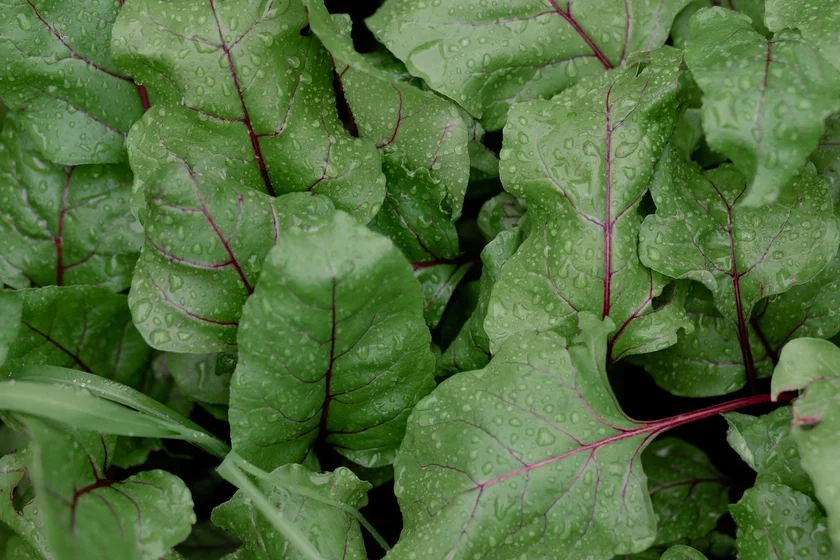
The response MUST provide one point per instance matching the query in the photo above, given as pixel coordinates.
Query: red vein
(58, 345)
(246, 118)
(322, 427)
(567, 15)
(58, 240)
(397, 124)
(608, 223)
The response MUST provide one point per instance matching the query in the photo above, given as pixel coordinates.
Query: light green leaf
(63, 225)
(27, 521)
(471, 347)
(85, 513)
(689, 494)
(488, 57)
(766, 445)
(681, 29)
(205, 242)
(814, 366)
(356, 355)
(246, 94)
(765, 102)
(775, 521)
(11, 308)
(682, 552)
(501, 213)
(80, 327)
(57, 72)
(332, 532)
(742, 254)
(817, 20)
(582, 163)
(18, 549)
(204, 377)
(527, 457)
(826, 158)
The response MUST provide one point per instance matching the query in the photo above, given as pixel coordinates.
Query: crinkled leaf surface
(814, 365)
(688, 493)
(78, 327)
(206, 239)
(817, 20)
(826, 158)
(423, 140)
(683, 552)
(85, 513)
(489, 56)
(775, 521)
(501, 213)
(63, 225)
(355, 357)
(57, 72)
(582, 163)
(765, 101)
(681, 29)
(245, 92)
(471, 347)
(766, 445)
(204, 377)
(526, 457)
(333, 532)
(742, 254)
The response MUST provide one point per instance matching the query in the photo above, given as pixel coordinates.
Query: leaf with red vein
(243, 93)
(681, 29)
(79, 327)
(826, 158)
(582, 163)
(353, 353)
(817, 20)
(64, 226)
(489, 57)
(332, 532)
(529, 456)
(205, 241)
(84, 513)
(57, 71)
(688, 493)
(742, 254)
(765, 102)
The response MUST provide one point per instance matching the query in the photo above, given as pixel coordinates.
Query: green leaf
(489, 57)
(205, 242)
(18, 549)
(826, 158)
(11, 309)
(775, 521)
(63, 225)
(501, 213)
(204, 377)
(471, 347)
(814, 366)
(766, 445)
(57, 72)
(17, 512)
(208, 542)
(356, 357)
(682, 552)
(689, 494)
(529, 456)
(245, 94)
(85, 513)
(765, 101)
(80, 327)
(582, 163)
(742, 254)
(817, 20)
(331, 531)
(681, 29)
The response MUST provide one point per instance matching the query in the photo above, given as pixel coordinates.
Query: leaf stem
(657, 426)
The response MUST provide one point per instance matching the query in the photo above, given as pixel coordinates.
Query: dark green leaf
(826, 158)
(202, 376)
(682, 552)
(501, 213)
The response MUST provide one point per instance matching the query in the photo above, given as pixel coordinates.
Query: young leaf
(487, 58)
(765, 101)
(58, 74)
(681, 29)
(11, 308)
(766, 445)
(85, 513)
(742, 254)
(24, 520)
(826, 158)
(63, 225)
(80, 327)
(814, 366)
(682, 552)
(204, 377)
(582, 163)
(817, 21)
(331, 531)
(205, 241)
(501, 213)
(688, 493)
(245, 92)
(356, 357)
(775, 521)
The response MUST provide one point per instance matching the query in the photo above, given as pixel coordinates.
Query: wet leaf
(817, 20)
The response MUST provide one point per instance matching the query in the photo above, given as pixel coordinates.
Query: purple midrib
(567, 15)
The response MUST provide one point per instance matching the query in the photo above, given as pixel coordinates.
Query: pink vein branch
(567, 15)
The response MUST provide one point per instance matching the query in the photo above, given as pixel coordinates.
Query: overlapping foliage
(249, 221)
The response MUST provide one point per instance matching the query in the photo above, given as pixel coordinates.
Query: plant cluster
(270, 271)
